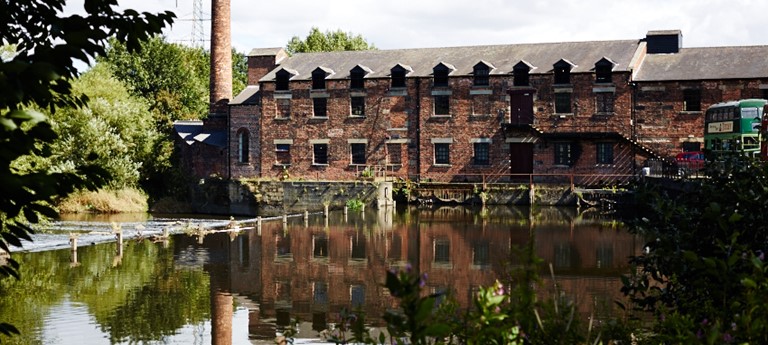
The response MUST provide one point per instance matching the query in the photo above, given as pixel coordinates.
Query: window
(320, 154)
(563, 72)
(281, 80)
(319, 246)
(442, 153)
(442, 105)
(563, 154)
(603, 71)
(357, 295)
(283, 108)
(765, 93)
(357, 244)
(604, 153)
(520, 74)
(563, 103)
(692, 100)
(481, 254)
(394, 154)
(283, 244)
(318, 78)
(320, 107)
(442, 248)
(358, 105)
(440, 75)
(356, 76)
(242, 146)
(604, 102)
(283, 154)
(358, 153)
(320, 292)
(398, 76)
(482, 153)
(481, 72)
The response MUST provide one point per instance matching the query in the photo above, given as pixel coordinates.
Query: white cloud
(396, 24)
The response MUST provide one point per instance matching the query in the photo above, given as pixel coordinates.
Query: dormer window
(357, 77)
(281, 79)
(521, 74)
(604, 70)
(440, 74)
(563, 71)
(398, 74)
(481, 72)
(318, 77)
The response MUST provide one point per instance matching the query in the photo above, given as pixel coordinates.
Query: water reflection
(243, 288)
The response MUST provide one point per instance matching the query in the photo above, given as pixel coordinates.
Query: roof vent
(664, 41)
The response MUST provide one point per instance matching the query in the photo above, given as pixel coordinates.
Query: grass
(126, 200)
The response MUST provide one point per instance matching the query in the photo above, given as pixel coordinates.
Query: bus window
(749, 113)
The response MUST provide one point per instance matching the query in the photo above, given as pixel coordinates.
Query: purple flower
(727, 338)
(408, 267)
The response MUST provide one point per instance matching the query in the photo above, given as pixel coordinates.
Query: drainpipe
(632, 127)
(418, 128)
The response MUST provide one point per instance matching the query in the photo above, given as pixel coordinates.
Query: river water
(243, 287)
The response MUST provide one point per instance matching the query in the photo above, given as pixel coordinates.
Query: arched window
(242, 146)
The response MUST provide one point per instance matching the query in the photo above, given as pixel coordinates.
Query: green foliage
(702, 274)
(414, 320)
(39, 75)
(355, 204)
(114, 127)
(329, 41)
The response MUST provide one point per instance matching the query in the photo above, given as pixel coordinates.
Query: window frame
(481, 75)
(521, 75)
(360, 108)
(559, 103)
(441, 105)
(282, 79)
(357, 78)
(562, 73)
(442, 153)
(323, 153)
(604, 152)
(318, 79)
(357, 154)
(320, 107)
(243, 146)
(398, 76)
(283, 152)
(484, 156)
(605, 103)
(692, 100)
(563, 154)
(440, 75)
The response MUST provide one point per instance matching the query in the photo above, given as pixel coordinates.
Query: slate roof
(706, 64)
(264, 51)
(193, 132)
(502, 57)
(247, 96)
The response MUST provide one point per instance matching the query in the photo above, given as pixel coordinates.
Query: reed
(125, 200)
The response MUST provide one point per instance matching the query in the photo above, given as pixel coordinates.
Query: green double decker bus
(734, 127)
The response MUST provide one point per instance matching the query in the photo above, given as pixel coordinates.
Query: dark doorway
(520, 160)
(521, 102)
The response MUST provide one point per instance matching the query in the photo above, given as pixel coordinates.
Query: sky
(396, 24)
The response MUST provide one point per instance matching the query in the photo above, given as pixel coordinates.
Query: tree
(329, 41)
(39, 75)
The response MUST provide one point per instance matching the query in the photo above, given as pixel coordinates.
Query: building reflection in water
(311, 270)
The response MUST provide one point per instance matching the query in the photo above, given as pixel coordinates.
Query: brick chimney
(221, 56)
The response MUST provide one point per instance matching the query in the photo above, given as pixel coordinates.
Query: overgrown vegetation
(703, 273)
(38, 77)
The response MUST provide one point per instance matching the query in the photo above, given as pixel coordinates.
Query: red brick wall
(664, 126)
(244, 118)
(259, 66)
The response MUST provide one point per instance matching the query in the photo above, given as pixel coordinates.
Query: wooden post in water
(285, 219)
(258, 225)
(119, 236)
(73, 246)
(325, 211)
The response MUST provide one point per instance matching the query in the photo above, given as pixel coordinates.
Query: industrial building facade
(591, 111)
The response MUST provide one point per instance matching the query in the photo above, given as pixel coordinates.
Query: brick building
(595, 110)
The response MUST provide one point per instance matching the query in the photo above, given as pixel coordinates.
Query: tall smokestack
(221, 53)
